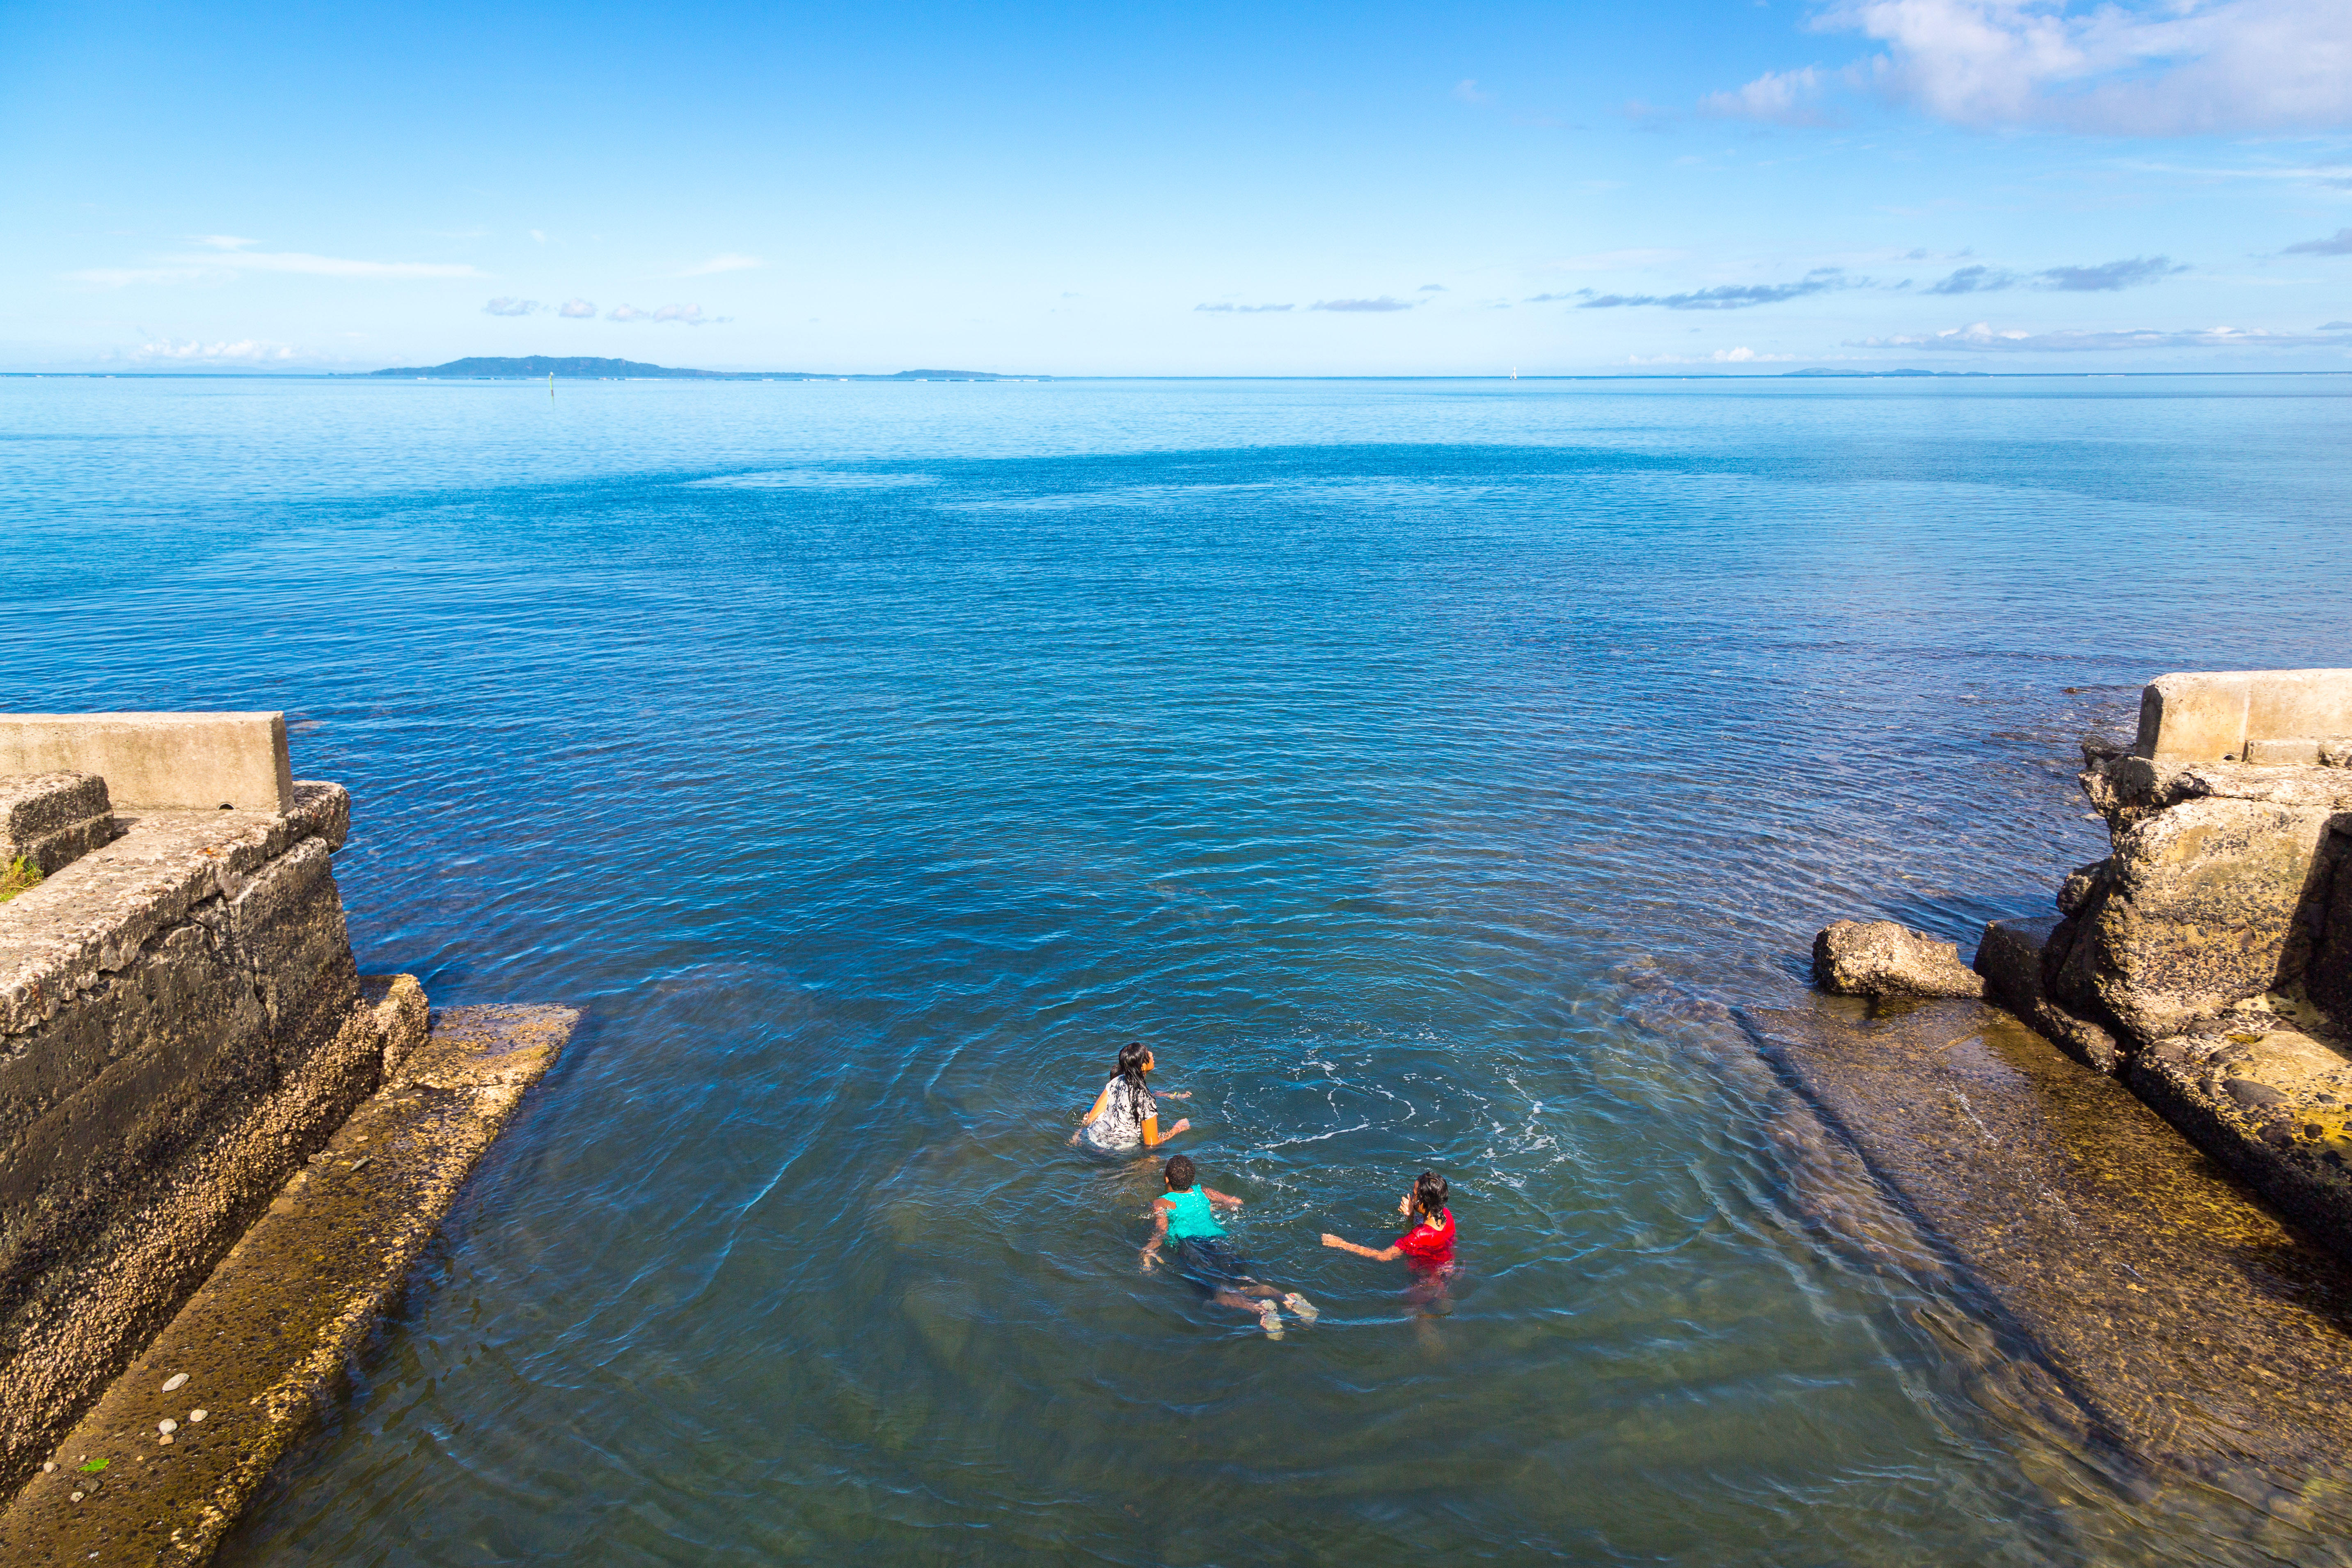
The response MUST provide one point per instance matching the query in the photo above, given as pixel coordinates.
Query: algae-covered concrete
(180, 1027)
(262, 1345)
(50, 820)
(2180, 1318)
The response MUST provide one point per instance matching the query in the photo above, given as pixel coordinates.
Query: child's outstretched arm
(1382, 1254)
(1216, 1196)
(1159, 1235)
(1153, 1137)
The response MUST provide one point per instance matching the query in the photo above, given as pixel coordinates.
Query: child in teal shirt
(1206, 1254)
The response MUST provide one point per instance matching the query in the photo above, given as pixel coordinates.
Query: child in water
(1207, 1255)
(1428, 1245)
(1125, 1115)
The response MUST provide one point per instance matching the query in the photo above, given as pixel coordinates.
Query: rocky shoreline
(2207, 960)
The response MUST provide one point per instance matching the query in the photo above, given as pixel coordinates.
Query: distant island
(537, 367)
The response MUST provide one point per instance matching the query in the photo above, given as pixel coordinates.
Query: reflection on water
(1431, 772)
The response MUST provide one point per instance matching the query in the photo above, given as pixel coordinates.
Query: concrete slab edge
(262, 1345)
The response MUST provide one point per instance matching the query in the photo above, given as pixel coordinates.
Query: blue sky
(1757, 184)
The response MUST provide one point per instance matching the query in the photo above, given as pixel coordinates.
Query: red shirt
(1430, 1249)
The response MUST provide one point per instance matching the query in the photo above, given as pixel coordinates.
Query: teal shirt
(1189, 1215)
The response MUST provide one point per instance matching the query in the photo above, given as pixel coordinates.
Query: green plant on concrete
(21, 874)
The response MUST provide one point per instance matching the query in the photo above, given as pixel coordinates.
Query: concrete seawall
(182, 1029)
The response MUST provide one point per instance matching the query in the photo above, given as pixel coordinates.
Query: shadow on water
(2198, 1351)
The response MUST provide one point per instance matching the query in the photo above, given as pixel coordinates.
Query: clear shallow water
(1425, 769)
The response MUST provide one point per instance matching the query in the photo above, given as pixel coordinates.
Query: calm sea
(1424, 769)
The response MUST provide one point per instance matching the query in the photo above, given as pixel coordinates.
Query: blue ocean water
(1427, 770)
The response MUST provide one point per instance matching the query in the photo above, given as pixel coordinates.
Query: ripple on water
(1429, 771)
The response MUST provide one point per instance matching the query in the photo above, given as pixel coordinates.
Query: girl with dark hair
(1428, 1245)
(1125, 1115)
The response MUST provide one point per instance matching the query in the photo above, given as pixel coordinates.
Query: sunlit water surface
(1426, 770)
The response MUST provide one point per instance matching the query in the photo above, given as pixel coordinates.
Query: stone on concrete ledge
(49, 820)
(2077, 890)
(2009, 959)
(163, 762)
(1882, 959)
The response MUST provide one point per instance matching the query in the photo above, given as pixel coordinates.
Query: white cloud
(1720, 356)
(725, 261)
(689, 315)
(1983, 336)
(2169, 67)
(578, 310)
(1778, 98)
(504, 305)
(336, 266)
(246, 351)
(227, 257)
(1375, 306)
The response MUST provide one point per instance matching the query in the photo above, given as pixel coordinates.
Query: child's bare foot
(1269, 1318)
(1301, 1307)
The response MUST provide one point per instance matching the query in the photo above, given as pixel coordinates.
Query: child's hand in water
(1150, 1262)
(1183, 1126)
(1175, 1094)
(1404, 1204)
(1330, 1240)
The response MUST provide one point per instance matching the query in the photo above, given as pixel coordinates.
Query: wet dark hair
(1131, 1058)
(1180, 1173)
(1429, 1191)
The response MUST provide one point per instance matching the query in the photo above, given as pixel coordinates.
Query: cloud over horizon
(246, 351)
(577, 310)
(686, 315)
(1982, 336)
(2185, 67)
(503, 306)
(1382, 303)
(1725, 296)
(1239, 309)
(2338, 244)
(2106, 278)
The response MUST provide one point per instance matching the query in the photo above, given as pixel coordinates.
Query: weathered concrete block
(2211, 716)
(1880, 958)
(180, 1025)
(170, 761)
(49, 820)
(2300, 752)
(2200, 910)
(2010, 959)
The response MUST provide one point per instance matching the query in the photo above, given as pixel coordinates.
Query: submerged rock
(1880, 959)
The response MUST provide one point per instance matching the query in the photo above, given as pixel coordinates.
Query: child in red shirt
(1428, 1245)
